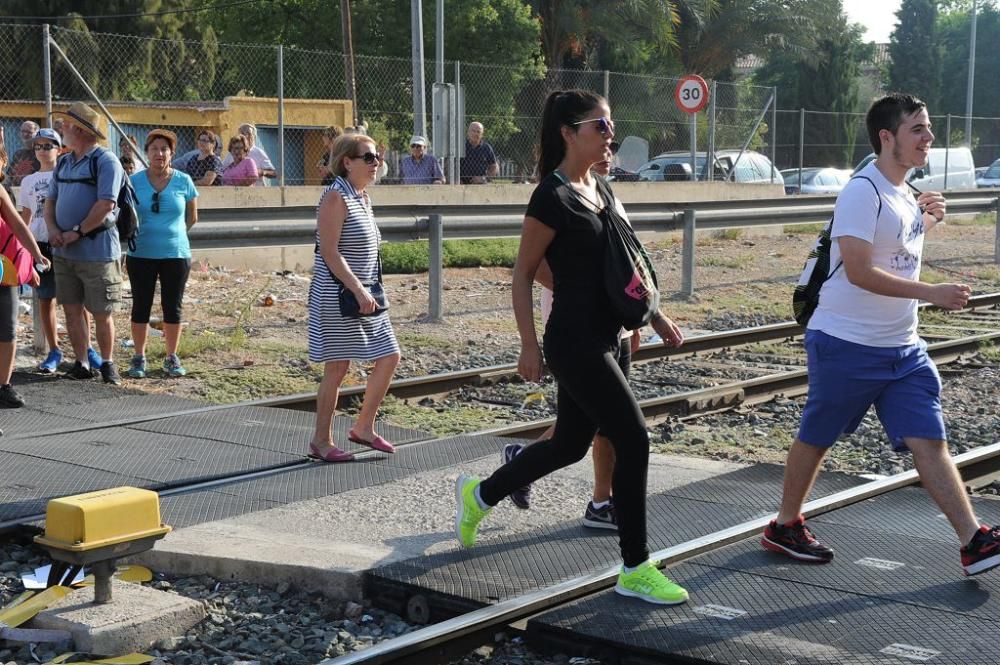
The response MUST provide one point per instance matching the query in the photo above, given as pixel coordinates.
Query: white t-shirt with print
(31, 197)
(849, 312)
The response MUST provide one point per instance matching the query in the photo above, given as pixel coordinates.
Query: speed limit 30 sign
(691, 93)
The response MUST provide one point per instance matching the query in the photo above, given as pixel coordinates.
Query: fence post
(607, 86)
(710, 161)
(47, 74)
(996, 240)
(687, 256)
(802, 144)
(281, 121)
(774, 131)
(435, 272)
(459, 129)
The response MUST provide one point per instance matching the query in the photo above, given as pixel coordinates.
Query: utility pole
(345, 27)
(419, 99)
(439, 44)
(972, 77)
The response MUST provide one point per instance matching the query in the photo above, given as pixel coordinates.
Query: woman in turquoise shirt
(168, 207)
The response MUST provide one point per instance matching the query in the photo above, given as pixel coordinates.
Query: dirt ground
(245, 333)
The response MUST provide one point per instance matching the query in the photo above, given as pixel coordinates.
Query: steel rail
(515, 609)
(685, 403)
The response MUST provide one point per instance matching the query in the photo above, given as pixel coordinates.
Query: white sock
(597, 505)
(626, 569)
(479, 499)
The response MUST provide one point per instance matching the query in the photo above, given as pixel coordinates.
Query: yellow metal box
(100, 519)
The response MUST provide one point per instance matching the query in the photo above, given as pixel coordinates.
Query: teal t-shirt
(163, 234)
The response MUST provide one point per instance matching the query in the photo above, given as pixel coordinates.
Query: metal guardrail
(397, 223)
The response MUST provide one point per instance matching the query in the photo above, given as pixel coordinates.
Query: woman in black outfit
(563, 225)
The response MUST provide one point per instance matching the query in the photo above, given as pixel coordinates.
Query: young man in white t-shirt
(862, 342)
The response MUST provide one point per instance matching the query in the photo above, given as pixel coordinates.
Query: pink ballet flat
(335, 454)
(377, 443)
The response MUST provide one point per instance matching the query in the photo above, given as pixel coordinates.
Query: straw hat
(85, 117)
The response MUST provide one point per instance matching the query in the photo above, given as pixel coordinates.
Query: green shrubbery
(412, 257)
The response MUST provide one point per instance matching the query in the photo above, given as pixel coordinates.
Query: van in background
(960, 167)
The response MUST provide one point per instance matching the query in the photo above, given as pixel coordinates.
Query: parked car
(961, 170)
(990, 177)
(671, 166)
(815, 180)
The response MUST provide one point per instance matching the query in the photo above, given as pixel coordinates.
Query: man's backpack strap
(878, 213)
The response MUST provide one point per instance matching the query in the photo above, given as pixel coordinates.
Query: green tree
(914, 51)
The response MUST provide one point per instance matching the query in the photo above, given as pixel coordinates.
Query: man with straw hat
(80, 214)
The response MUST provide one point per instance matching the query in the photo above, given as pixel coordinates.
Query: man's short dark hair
(887, 113)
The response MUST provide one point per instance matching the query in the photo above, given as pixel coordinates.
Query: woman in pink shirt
(243, 171)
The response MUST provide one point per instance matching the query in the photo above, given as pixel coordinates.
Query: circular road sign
(691, 93)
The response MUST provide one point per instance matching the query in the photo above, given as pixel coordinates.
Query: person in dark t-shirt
(564, 224)
(480, 161)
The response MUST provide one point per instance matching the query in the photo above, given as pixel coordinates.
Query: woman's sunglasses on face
(605, 126)
(205, 139)
(369, 157)
(44, 146)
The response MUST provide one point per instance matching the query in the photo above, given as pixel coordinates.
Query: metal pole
(435, 272)
(417, 51)
(746, 144)
(281, 115)
(104, 109)
(607, 86)
(996, 239)
(802, 143)
(694, 146)
(439, 45)
(459, 129)
(710, 160)
(687, 255)
(774, 130)
(47, 74)
(947, 148)
(348, 41)
(972, 77)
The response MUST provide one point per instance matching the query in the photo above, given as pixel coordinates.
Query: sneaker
(137, 368)
(51, 362)
(110, 373)
(600, 518)
(94, 358)
(78, 371)
(9, 399)
(172, 365)
(520, 497)
(648, 583)
(468, 514)
(794, 539)
(983, 551)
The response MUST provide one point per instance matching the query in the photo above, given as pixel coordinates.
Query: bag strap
(878, 214)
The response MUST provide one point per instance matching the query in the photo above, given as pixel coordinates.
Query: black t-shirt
(581, 310)
(198, 167)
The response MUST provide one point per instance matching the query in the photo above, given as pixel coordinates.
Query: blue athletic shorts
(846, 378)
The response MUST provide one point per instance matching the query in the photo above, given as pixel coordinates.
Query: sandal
(377, 443)
(335, 454)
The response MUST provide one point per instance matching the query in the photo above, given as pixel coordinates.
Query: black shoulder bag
(349, 306)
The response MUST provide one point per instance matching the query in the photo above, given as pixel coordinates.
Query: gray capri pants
(8, 313)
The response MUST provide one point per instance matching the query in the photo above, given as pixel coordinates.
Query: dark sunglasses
(369, 157)
(604, 125)
(44, 146)
(205, 139)
(156, 202)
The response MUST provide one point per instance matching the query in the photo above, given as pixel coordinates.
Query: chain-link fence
(188, 86)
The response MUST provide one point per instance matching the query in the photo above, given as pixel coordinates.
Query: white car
(815, 180)
(750, 167)
(990, 177)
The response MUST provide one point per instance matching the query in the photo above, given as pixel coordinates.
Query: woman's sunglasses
(604, 125)
(44, 146)
(156, 202)
(369, 157)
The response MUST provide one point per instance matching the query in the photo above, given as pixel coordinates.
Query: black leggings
(593, 394)
(173, 276)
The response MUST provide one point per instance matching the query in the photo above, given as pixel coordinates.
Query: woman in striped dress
(347, 241)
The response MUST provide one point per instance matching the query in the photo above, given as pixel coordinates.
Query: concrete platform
(326, 544)
(136, 617)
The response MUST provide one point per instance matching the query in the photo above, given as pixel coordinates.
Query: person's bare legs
(375, 390)
(940, 477)
(604, 467)
(326, 402)
(104, 327)
(171, 336)
(801, 469)
(48, 316)
(79, 331)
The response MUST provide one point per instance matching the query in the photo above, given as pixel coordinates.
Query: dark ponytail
(561, 108)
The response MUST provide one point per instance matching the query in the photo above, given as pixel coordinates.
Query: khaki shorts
(97, 285)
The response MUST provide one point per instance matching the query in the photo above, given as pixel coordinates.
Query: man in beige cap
(80, 214)
(420, 168)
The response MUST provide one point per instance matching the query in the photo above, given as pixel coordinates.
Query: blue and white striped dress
(332, 336)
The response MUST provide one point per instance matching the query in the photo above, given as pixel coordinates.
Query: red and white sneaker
(983, 551)
(794, 539)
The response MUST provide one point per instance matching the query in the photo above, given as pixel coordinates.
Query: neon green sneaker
(649, 584)
(468, 514)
